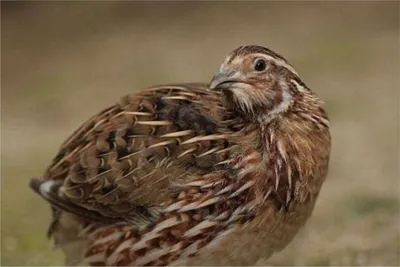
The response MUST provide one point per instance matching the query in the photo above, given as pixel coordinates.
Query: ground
(63, 61)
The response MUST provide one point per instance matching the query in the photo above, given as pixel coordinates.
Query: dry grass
(61, 62)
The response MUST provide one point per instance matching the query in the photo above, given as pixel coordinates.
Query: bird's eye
(260, 65)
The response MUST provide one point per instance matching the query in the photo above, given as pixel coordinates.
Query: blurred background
(64, 61)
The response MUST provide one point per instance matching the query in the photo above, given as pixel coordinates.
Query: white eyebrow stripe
(278, 62)
(299, 87)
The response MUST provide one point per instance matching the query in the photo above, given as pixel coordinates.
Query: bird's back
(122, 163)
(124, 154)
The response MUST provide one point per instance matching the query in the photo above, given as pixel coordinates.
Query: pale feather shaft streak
(186, 152)
(177, 134)
(242, 188)
(165, 143)
(199, 228)
(154, 123)
(205, 138)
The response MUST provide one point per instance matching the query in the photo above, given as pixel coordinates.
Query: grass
(364, 205)
(62, 63)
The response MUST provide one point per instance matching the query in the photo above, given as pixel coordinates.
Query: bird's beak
(223, 80)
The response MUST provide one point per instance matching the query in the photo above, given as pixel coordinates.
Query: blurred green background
(63, 61)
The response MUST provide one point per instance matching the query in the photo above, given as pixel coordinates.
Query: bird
(218, 173)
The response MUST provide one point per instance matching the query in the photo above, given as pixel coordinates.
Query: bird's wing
(127, 156)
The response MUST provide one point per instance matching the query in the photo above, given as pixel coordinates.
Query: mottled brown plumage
(190, 174)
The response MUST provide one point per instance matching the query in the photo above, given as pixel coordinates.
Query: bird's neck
(294, 146)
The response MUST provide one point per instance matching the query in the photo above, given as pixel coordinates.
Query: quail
(223, 173)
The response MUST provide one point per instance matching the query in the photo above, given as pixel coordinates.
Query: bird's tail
(51, 191)
(47, 189)
(65, 227)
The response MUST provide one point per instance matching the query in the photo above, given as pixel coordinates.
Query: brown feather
(193, 176)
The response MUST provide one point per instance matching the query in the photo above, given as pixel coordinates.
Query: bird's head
(257, 81)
